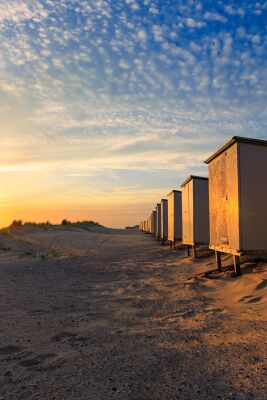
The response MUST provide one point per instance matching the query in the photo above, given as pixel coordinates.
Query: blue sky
(108, 105)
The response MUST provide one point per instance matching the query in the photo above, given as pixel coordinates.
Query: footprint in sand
(215, 310)
(245, 298)
(255, 300)
(32, 362)
(261, 285)
(251, 299)
(9, 350)
(68, 337)
(63, 337)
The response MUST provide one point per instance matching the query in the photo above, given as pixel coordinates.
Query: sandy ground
(114, 315)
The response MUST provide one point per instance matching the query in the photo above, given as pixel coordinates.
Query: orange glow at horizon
(30, 199)
(116, 217)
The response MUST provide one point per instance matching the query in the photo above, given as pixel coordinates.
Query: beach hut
(195, 212)
(238, 198)
(154, 222)
(150, 224)
(164, 220)
(158, 223)
(174, 217)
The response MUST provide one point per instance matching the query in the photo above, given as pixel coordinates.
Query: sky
(108, 105)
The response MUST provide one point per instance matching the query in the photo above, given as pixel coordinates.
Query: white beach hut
(154, 222)
(238, 198)
(174, 217)
(158, 222)
(164, 220)
(195, 212)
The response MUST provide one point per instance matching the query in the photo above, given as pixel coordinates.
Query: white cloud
(124, 65)
(142, 35)
(157, 33)
(153, 10)
(230, 10)
(191, 23)
(256, 39)
(213, 16)
(15, 11)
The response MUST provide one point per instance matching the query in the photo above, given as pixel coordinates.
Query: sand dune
(106, 314)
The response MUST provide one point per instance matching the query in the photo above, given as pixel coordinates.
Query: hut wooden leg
(188, 250)
(237, 265)
(218, 260)
(194, 247)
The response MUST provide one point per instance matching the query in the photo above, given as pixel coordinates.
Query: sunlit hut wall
(195, 211)
(164, 220)
(238, 197)
(174, 216)
(158, 226)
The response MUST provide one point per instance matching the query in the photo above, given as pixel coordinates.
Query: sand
(112, 314)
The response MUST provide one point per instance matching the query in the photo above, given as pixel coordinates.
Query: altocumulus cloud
(129, 85)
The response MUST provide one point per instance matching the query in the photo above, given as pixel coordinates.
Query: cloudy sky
(107, 105)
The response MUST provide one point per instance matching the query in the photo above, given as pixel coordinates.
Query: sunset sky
(107, 105)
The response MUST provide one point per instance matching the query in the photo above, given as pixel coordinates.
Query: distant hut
(145, 226)
(174, 217)
(154, 222)
(195, 212)
(164, 220)
(149, 224)
(158, 222)
(238, 198)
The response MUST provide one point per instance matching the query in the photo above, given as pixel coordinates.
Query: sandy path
(109, 316)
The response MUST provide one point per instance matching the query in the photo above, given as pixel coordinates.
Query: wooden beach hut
(164, 220)
(153, 222)
(238, 198)
(174, 217)
(158, 222)
(149, 225)
(195, 212)
(145, 226)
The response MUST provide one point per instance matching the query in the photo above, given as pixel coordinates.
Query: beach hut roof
(193, 177)
(178, 191)
(232, 141)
